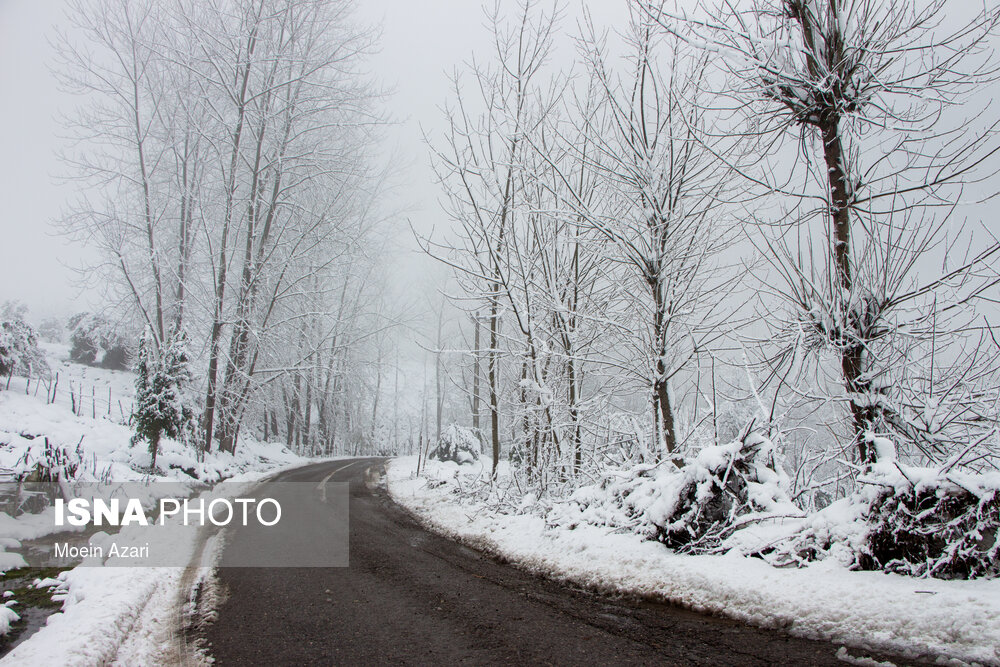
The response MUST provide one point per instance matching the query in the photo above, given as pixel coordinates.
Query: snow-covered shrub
(116, 357)
(161, 407)
(56, 463)
(925, 523)
(693, 508)
(83, 349)
(720, 489)
(916, 521)
(19, 352)
(458, 444)
(94, 336)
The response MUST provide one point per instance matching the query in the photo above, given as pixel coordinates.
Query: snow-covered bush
(693, 508)
(719, 490)
(94, 336)
(55, 463)
(458, 444)
(923, 522)
(161, 407)
(916, 521)
(83, 349)
(19, 352)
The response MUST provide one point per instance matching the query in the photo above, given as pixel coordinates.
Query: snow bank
(37, 437)
(867, 610)
(100, 605)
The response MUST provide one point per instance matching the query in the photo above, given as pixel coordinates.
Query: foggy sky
(30, 267)
(421, 43)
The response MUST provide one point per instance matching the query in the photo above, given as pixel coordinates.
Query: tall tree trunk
(291, 411)
(395, 407)
(666, 414)
(189, 175)
(476, 372)
(574, 417)
(439, 402)
(661, 394)
(378, 390)
(307, 434)
(274, 422)
(208, 419)
(852, 354)
(154, 259)
(493, 379)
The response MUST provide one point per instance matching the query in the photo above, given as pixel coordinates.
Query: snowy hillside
(82, 414)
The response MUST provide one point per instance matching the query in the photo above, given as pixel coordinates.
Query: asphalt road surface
(412, 597)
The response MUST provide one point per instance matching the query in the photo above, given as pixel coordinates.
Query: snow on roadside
(105, 450)
(100, 606)
(867, 610)
(110, 609)
(91, 390)
(122, 615)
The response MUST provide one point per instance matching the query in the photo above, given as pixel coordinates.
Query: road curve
(413, 597)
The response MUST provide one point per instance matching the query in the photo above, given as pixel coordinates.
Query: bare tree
(868, 90)
(122, 151)
(478, 164)
(664, 221)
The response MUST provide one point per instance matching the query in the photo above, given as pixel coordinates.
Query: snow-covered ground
(128, 615)
(91, 390)
(34, 429)
(108, 614)
(97, 435)
(957, 620)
